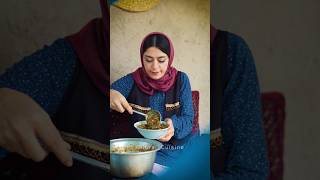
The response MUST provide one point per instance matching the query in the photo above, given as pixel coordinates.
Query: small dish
(151, 133)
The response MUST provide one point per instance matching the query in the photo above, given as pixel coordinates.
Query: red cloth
(273, 104)
(93, 48)
(195, 105)
(148, 85)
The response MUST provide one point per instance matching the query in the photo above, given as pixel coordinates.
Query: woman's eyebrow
(148, 56)
(154, 57)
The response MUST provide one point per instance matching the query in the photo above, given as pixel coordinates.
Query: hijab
(91, 45)
(149, 85)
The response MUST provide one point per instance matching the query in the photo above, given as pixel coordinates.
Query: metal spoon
(91, 161)
(142, 114)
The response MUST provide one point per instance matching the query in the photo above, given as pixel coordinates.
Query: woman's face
(155, 62)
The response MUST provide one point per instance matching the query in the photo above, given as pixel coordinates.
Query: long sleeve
(242, 124)
(44, 75)
(183, 122)
(123, 85)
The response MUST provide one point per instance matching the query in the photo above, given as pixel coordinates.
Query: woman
(159, 86)
(60, 87)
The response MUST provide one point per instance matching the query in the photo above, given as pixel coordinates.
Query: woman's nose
(155, 65)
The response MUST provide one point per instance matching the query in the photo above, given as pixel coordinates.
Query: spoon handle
(143, 114)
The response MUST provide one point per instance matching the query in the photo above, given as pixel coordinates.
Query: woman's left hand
(170, 132)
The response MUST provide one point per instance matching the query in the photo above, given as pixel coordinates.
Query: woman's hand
(24, 124)
(118, 102)
(170, 132)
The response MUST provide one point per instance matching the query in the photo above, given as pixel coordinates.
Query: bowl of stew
(150, 132)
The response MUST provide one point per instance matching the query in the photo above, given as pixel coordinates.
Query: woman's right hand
(28, 130)
(118, 102)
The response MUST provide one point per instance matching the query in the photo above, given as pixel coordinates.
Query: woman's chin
(155, 77)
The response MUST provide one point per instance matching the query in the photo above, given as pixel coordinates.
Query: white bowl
(151, 133)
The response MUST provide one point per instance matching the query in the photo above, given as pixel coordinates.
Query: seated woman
(159, 86)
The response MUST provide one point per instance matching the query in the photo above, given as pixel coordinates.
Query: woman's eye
(162, 60)
(148, 60)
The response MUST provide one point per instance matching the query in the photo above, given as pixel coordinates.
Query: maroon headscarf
(148, 85)
(92, 44)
